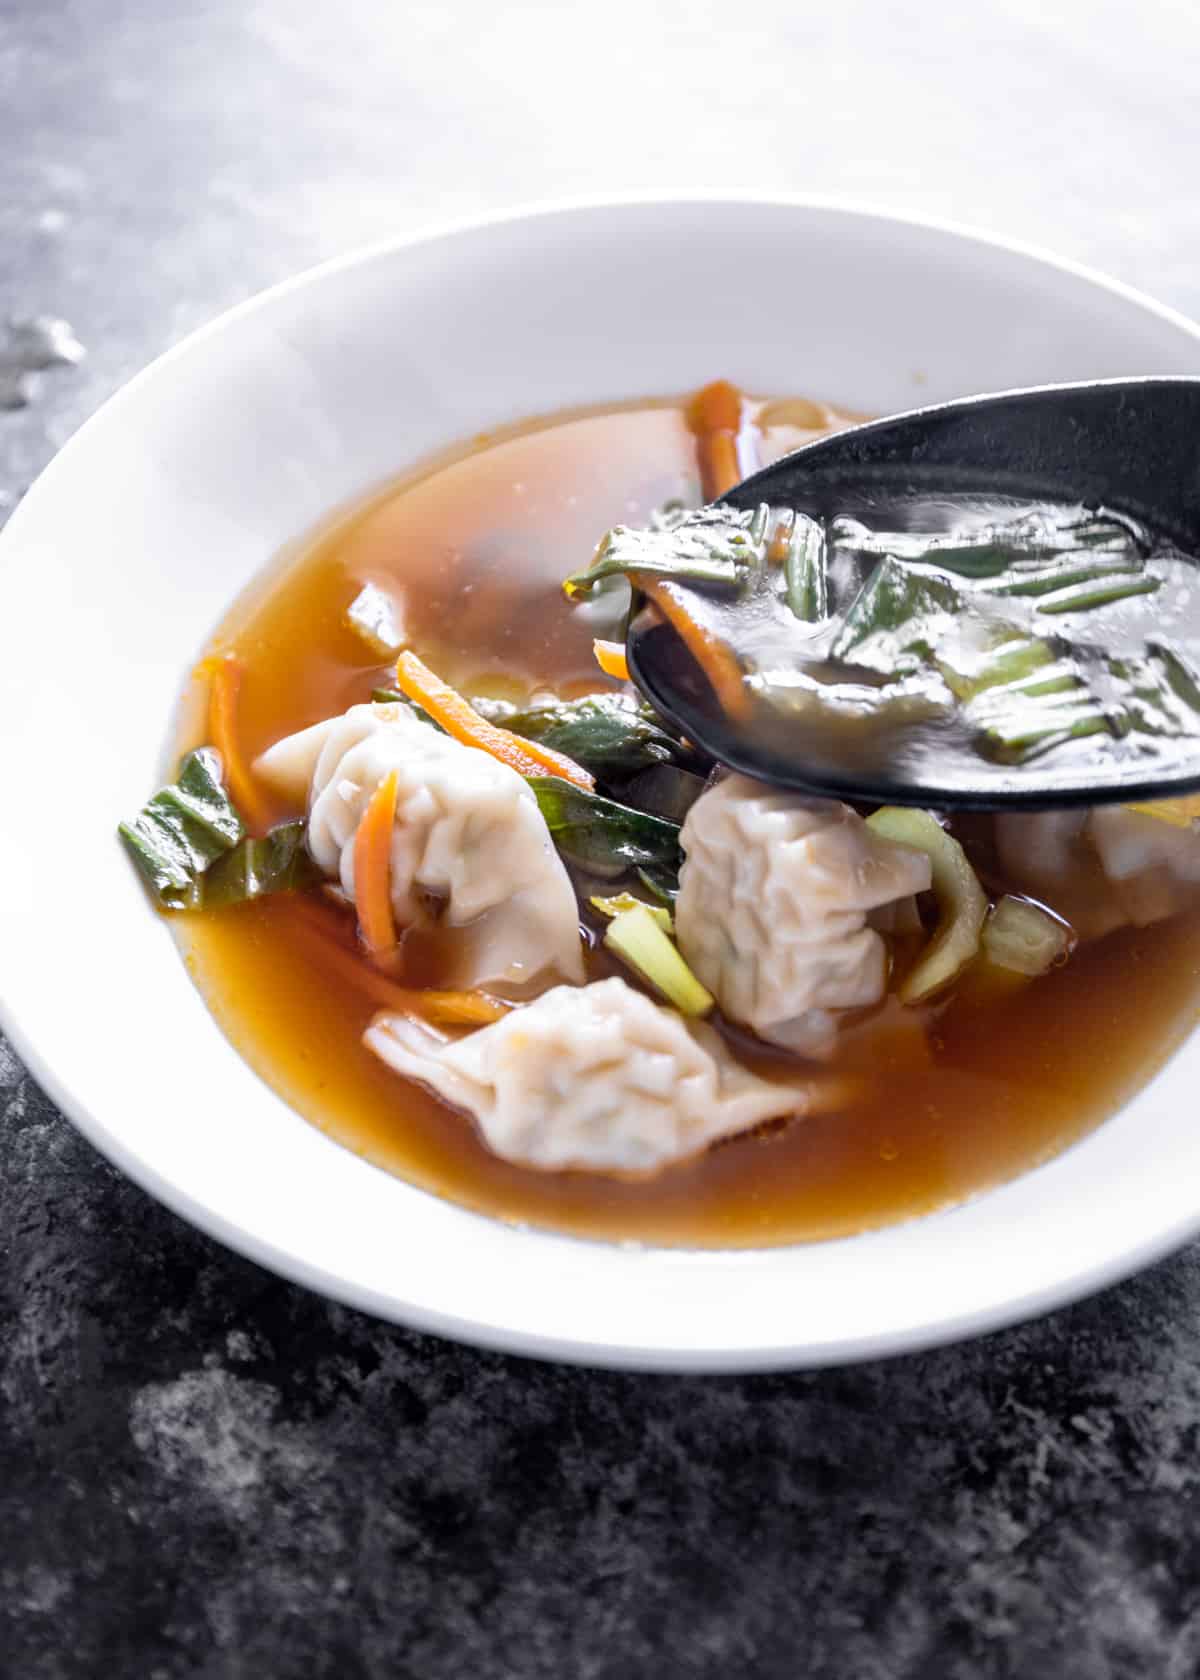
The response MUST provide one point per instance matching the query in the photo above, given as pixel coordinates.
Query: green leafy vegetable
(1022, 694)
(804, 570)
(713, 545)
(277, 863)
(1058, 575)
(636, 936)
(612, 735)
(1099, 591)
(1029, 664)
(993, 547)
(602, 836)
(192, 849)
(661, 885)
(626, 901)
(609, 734)
(183, 830)
(1025, 938)
(665, 791)
(899, 617)
(962, 903)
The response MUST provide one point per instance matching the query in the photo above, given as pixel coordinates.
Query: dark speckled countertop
(207, 1474)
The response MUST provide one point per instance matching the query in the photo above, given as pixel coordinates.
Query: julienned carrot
(717, 407)
(225, 682)
(443, 1008)
(725, 452)
(713, 656)
(459, 718)
(373, 869)
(719, 470)
(610, 656)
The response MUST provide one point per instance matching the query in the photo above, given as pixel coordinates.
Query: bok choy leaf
(183, 830)
(277, 863)
(609, 734)
(713, 545)
(604, 837)
(637, 937)
(612, 735)
(190, 845)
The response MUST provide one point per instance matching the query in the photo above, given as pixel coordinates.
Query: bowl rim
(430, 232)
(1082, 1280)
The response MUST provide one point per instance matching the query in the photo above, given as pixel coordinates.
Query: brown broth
(479, 541)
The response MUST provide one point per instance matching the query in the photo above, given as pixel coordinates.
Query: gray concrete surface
(207, 1474)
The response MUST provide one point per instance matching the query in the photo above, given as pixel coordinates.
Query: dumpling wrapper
(597, 1078)
(1103, 868)
(772, 911)
(468, 838)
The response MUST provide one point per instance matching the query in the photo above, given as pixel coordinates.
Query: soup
(907, 1106)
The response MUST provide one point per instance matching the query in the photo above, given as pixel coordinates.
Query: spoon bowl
(1128, 447)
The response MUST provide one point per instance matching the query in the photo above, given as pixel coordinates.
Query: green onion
(255, 868)
(1060, 574)
(1099, 593)
(723, 572)
(1025, 938)
(625, 901)
(992, 548)
(1011, 662)
(636, 937)
(1017, 733)
(804, 570)
(962, 903)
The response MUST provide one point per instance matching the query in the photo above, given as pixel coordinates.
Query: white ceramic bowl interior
(132, 545)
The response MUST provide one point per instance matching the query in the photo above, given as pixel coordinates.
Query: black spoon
(1127, 445)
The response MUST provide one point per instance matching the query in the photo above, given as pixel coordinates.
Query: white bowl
(134, 542)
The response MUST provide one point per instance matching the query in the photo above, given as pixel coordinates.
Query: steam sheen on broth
(940, 1099)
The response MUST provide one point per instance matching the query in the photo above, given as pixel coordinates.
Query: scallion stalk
(637, 938)
(1022, 936)
(805, 571)
(962, 903)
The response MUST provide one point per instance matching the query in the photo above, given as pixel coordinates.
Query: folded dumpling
(772, 909)
(470, 849)
(594, 1077)
(1103, 868)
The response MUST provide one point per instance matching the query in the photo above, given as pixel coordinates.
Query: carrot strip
(225, 682)
(781, 542)
(714, 657)
(724, 447)
(718, 464)
(460, 719)
(443, 1008)
(610, 656)
(373, 869)
(717, 407)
